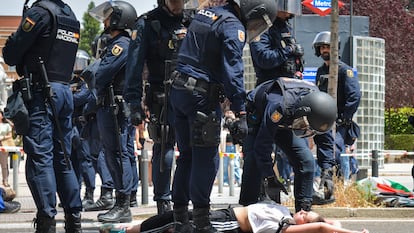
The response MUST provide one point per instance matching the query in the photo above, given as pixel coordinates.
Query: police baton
(114, 111)
(49, 94)
(165, 128)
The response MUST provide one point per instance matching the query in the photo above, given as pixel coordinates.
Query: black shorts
(224, 220)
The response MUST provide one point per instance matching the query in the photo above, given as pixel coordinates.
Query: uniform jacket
(111, 69)
(348, 92)
(213, 51)
(268, 51)
(152, 43)
(37, 37)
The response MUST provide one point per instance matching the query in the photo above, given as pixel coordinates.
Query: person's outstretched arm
(318, 227)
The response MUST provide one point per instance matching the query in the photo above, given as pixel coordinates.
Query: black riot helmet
(257, 16)
(293, 7)
(323, 38)
(123, 14)
(81, 61)
(315, 114)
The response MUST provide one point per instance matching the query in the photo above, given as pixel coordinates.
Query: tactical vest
(290, 89)
(59, 50)
(204, 26)
(169, 35)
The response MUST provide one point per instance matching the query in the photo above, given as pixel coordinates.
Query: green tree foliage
(91, 28)
(396, 121)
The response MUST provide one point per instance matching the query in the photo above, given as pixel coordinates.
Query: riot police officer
(81, 158)
(284, 111)
(276, 53)
(48, 30)
(91, 132)
(156, 39)
(210, 66)
(112, 115)
(348, 98)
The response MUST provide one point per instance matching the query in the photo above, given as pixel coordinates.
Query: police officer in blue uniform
(48, 30)
(210, 66)
(276, 53)
(82, 161)
(155, 42)
(91, 132)
(284, 111)
(348, 98)
(112, 115)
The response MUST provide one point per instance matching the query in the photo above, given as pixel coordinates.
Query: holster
(24, 85)
(154, 129)
(206, 130)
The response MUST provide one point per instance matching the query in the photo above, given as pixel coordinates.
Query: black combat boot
(133, 201)
(73, 223)
(202, 221)
(120, 213)
(305, 205)
(45, 224)
(88, 198)
(163, 206)
(105, 201)
(181, 219)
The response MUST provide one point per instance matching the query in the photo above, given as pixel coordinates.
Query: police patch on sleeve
(350, 73)
(276, 116)
(28, 24)
(117, 50)
(242, 37)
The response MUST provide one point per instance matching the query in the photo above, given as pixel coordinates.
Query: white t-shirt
(265, 217)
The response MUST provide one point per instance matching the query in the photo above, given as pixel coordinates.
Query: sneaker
(11, 207)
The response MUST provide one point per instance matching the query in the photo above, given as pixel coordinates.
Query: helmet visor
(255, 27)
(81, 62)
(290, 6)
(102, 11)
(301, 127)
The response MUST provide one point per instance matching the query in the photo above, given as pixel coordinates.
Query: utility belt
(214, 91)
(186, 82)
(106, 100)
(28, 85)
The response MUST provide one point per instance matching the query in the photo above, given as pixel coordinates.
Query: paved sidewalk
(400, 172)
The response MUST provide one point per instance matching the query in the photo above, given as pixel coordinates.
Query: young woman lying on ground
(257, 218)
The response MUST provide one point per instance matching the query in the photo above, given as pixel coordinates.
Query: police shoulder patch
(350, 73)
(28, 24)
(276, 116)
(117, 50)
(242, 37)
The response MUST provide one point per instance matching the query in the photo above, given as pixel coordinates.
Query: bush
(396, 121)
(399, 142)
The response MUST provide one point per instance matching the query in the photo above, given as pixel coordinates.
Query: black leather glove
(298, 50)
(273, 184)
(239, 130)
(137, 115)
